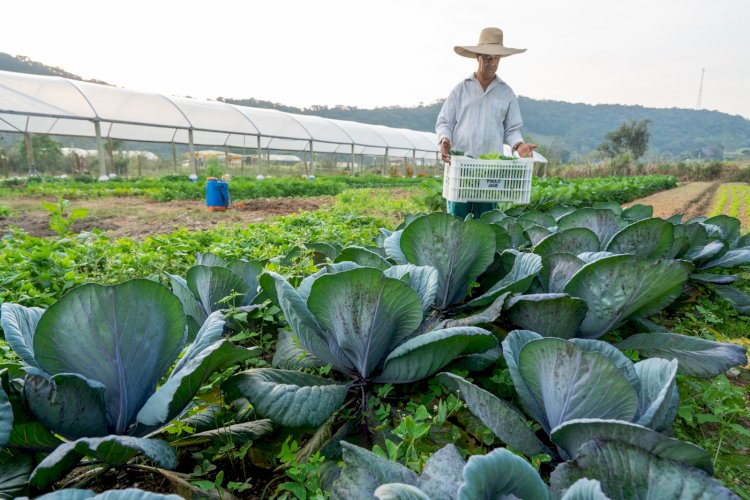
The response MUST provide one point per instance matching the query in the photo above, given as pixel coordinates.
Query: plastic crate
(466, 179)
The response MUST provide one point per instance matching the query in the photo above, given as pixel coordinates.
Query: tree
(47, 153)
(632, 137)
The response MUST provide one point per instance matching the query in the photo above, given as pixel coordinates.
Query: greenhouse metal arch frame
(44, 105)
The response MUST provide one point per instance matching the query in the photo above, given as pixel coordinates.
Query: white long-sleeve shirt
(478, 122)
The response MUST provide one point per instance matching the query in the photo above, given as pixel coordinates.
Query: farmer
(481, 113)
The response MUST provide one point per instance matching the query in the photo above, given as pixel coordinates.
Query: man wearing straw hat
(481, 113)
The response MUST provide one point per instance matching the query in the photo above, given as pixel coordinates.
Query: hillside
(576, 128)
(572, 129)
(22, 64)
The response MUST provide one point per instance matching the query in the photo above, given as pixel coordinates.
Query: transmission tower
(700, 90)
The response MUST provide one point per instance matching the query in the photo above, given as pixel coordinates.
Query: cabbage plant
(603, 470)
(446, 475)
(459, 251)
(580, 387)
(365, 325)
(94, 360)
(213, 284)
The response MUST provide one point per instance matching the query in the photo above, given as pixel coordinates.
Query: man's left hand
(525, 150)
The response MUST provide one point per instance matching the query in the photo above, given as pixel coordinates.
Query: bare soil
(691, 199)
(140, 217)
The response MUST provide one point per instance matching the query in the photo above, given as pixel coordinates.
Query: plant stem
(92, 475)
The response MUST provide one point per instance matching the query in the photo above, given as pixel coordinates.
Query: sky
(396, 52)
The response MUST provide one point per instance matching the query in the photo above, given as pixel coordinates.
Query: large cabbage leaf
(571, 383)
(365, 314)
(603, 222)
(427, 353)
(626, 471)
(18, 324)
(115, 450)
(571, 435)
(658, 397)
(512, 345)
(68, 404)
(438, 478)
(525, 267)
(364, 472)
(459, 250)
(504, 420)
(572, 241)
(363, 257)
(6, 418)
(15, 469)
(212, 284)
(501, 474)
(549, 314)
(618, 287)
(557, 269)
(287, 397)
(423, 279)
(124, 494)
(648, 238)
(289, 356)
(123, 336)
(697, 357)
(303, 323)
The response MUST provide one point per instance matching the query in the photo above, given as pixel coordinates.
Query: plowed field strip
(691, 200)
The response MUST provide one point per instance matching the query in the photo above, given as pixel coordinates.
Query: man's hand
(445, 150)
(525, 149)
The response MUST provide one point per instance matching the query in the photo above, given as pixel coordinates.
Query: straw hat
(490, 44)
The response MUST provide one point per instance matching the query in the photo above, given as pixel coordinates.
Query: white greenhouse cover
(59, 106)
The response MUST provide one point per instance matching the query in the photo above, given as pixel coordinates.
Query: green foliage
(713, 414)
(305, 477)
(48, 155)
(632, 136)
(60, 219)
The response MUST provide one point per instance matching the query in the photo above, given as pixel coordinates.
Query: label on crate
(491, 183)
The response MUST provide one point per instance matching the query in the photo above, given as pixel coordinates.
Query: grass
(715, 414)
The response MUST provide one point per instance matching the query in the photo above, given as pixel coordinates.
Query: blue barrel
(217, 194)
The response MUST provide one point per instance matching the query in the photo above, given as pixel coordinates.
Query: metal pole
(226, 157)
(100, 147)
(191, 151)
(414, 162)
(110, 156)
(385, 162)
(351, 168)
(30, 155)
(174, 157)
(312, 159)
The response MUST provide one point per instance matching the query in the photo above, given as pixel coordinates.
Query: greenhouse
(43, 105)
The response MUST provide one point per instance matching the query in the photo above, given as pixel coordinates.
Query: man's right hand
(445, 150)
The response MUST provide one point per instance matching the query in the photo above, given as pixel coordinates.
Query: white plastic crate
(467, 179)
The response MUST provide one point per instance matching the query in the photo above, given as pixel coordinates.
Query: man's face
(488, 66)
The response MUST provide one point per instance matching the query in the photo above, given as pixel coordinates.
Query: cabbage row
(106, 369)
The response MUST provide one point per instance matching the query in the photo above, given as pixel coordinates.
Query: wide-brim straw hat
(490, 44)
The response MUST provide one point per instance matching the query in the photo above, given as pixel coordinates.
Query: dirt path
(690, 199)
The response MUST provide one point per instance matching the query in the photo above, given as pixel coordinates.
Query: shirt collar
(473, 77)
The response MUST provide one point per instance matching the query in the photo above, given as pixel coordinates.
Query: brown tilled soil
(690, 199)
(139, 217)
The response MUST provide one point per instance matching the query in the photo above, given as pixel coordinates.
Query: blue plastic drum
(217, 194)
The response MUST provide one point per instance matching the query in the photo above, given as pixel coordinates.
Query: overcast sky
(395, 52)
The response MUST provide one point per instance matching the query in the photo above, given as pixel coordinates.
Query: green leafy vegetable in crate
(495, 156)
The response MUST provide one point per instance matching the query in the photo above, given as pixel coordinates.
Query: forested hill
(22, 64)
(577, 128)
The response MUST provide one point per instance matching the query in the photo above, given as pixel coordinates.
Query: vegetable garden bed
(422, 358)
